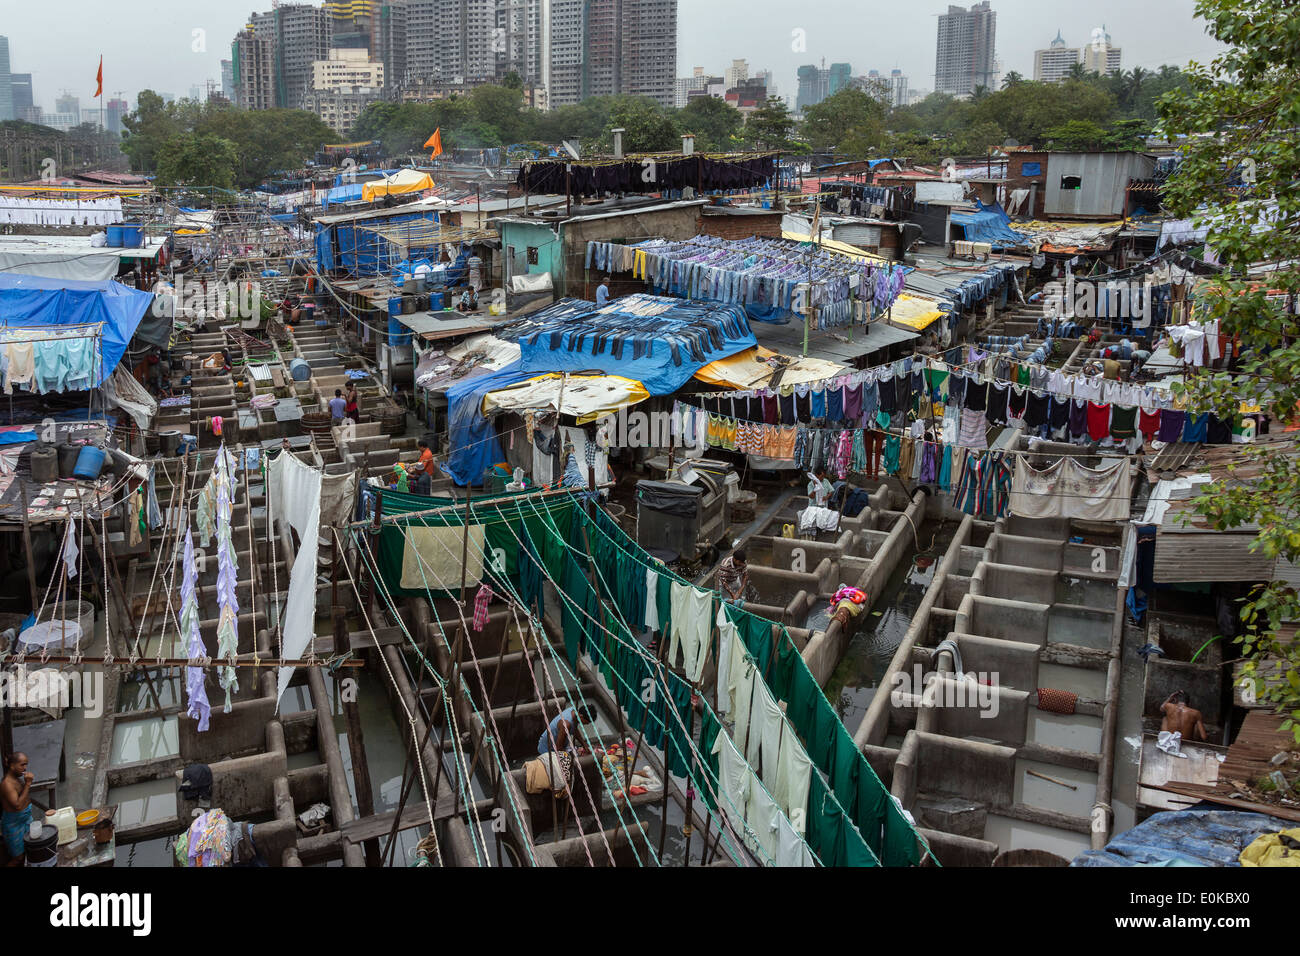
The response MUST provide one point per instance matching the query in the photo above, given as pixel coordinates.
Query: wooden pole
(27, 546)
(356, 740)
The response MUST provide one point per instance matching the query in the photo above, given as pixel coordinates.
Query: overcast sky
(170, 47)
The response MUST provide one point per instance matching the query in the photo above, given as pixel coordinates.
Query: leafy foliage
(1241, 112)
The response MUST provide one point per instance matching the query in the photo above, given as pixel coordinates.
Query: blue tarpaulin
(471, 435)
(35, 302)
(660, 342)
(1181, 837)
(989, 224)
(349, 193)
(353, 245)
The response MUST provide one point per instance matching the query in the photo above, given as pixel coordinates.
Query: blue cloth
(35, 302)
(553, 730)
(472, 436)
(16, 824)
(16, 437)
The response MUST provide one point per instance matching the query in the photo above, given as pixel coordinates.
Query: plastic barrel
(299, 370)
(114, 237)
(395, 305)
(89, 463)
(44, 850)
(68, 454)
(398, 334)
(132, 236)
(45, 464)
(438, 301)
(169, 441)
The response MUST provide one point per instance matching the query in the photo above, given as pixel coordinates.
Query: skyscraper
(965, 58)
(253, 66)
(1054, 63)
(1099, 56)
(390, 43)
(6, 83)
(608, 47)
(816, 83)
(299, 34)
(21, 85)
(451, 43)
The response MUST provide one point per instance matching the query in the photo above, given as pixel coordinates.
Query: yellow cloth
(431, 557)
(1269, 850)
(400, 183)
(586, 397)
(913, 312)
(750, 369)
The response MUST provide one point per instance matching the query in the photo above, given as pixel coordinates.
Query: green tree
(850, 121)
(714, 122)
(647, 127)
(771, 127)
(152, 124)
(1011, 79)
(1241, 111)
(200, 161)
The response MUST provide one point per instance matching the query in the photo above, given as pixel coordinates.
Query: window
(1071, 182)
(532, 255)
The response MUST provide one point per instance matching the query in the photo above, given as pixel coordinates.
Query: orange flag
(435, 141)
(99, 77)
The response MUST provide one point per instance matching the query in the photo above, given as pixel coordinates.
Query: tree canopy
(1236, 119)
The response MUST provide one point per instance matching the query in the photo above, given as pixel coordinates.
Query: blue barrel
(132, 236)
(395, 305)
(438, 301)
(115, 237)
(398, 334)
(89, 463)
(299, 370)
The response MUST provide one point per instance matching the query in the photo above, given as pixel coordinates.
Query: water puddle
(144, 802)
(149, 738)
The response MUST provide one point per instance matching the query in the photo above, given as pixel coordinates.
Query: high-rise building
(6, 83)
(521, 39)
(300, 34)
(737, 73)
(451, 44)
(1057, 61)
(390, 37)
(352, 24)
(114, 110)
(890, 90)
(610, 47)
(67, 103)
(566, 61)
(816, 83)
(1099, 56)
(228, 80)
(20, 85)
(684, 86)
(345, 68)
(765, 78)
(1054, 63)
(965, 58)
(253, 65)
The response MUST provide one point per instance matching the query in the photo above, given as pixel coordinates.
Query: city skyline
(185, 48)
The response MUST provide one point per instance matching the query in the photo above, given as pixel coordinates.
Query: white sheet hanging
(294, 491)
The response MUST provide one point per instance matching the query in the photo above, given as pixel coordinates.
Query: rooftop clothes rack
(54, 363)
(860, 199)
(772, 278)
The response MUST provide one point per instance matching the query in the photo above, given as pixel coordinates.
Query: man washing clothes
(562, 731)
(423, 468)
(602, 292)
(819, 488)
(1180, 722)
(733, 577)
(16, 800)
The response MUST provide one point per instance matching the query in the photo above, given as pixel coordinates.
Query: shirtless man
(1181, 719)
(16, 799)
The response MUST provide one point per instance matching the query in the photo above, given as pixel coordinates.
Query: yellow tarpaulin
(843, 248)
(586, 397)
(401, 182)
(750, 369)
(914, 312)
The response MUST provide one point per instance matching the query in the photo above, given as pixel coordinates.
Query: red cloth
(1149, 424)
(1098, 421)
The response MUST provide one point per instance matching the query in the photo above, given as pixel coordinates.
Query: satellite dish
(1010, 141)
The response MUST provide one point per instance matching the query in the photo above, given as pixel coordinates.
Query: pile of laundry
(213, 839)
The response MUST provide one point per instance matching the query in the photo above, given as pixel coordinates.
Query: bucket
(299, 370)
(169, 441)
(114, 237)
(132, 236)
(68, 454)
(44, 850)
(45, 463)
(89, 463)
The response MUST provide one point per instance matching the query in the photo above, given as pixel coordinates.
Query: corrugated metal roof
(829, 345)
